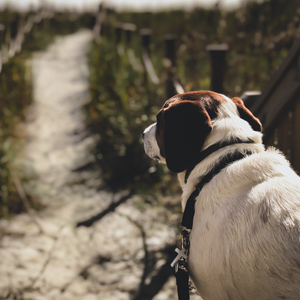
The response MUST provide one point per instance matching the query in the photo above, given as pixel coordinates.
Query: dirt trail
(126, 253)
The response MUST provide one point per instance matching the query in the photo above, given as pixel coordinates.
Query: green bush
(15, 96)
(123, 104)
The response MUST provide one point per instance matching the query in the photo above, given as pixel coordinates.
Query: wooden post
(119, 37)
(14, 27)
(129, 29)
(2, 35)
(118, 31)
(146, 39)
(102, 30)
(217, 55)
(170, 55)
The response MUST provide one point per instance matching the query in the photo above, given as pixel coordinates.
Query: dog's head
(185, 122)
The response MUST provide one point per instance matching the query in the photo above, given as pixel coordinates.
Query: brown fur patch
(246, 114)
(209, 100)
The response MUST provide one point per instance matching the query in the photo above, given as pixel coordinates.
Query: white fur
(150, 144)
(245, 241)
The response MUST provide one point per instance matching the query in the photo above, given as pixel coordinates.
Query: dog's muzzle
(150, 143)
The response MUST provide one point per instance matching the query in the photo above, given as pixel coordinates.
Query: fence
(278, 107)
(172, 82)
(12, 35)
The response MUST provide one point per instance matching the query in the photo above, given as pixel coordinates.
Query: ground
(122, 253)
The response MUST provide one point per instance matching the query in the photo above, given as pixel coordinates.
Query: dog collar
(211, 149)
(188, 215)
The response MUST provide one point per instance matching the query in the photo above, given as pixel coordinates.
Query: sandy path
(126, 253)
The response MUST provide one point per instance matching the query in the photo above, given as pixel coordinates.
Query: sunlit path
(122, 253)
(58, 140)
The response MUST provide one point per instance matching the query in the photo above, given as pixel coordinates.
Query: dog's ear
(246, 114)
(186, 125)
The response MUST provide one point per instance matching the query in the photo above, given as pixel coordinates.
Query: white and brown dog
(245, 241)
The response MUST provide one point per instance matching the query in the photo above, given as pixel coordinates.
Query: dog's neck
(224, 130)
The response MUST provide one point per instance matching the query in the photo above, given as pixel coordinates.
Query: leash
(181, 261)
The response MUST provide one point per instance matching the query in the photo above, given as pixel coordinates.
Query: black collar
(205, 153)
(189, 211)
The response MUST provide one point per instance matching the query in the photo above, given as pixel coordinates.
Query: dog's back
(245, 239)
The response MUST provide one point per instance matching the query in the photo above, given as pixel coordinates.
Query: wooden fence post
(14, 27)
(146, 34)
(2, 35)
(14, 32)
(119, 36)
(102, 30)
(170, 55)
(118, 31)
(217, 55)
(129, 29)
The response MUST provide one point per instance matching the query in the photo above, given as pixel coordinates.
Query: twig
(46, 263)
(25, 201)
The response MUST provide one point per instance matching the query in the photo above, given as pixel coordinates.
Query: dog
(245, 240)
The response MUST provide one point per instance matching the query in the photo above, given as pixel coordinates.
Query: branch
(25, 201)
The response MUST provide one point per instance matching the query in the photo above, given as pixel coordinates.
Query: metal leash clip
(180, 260)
